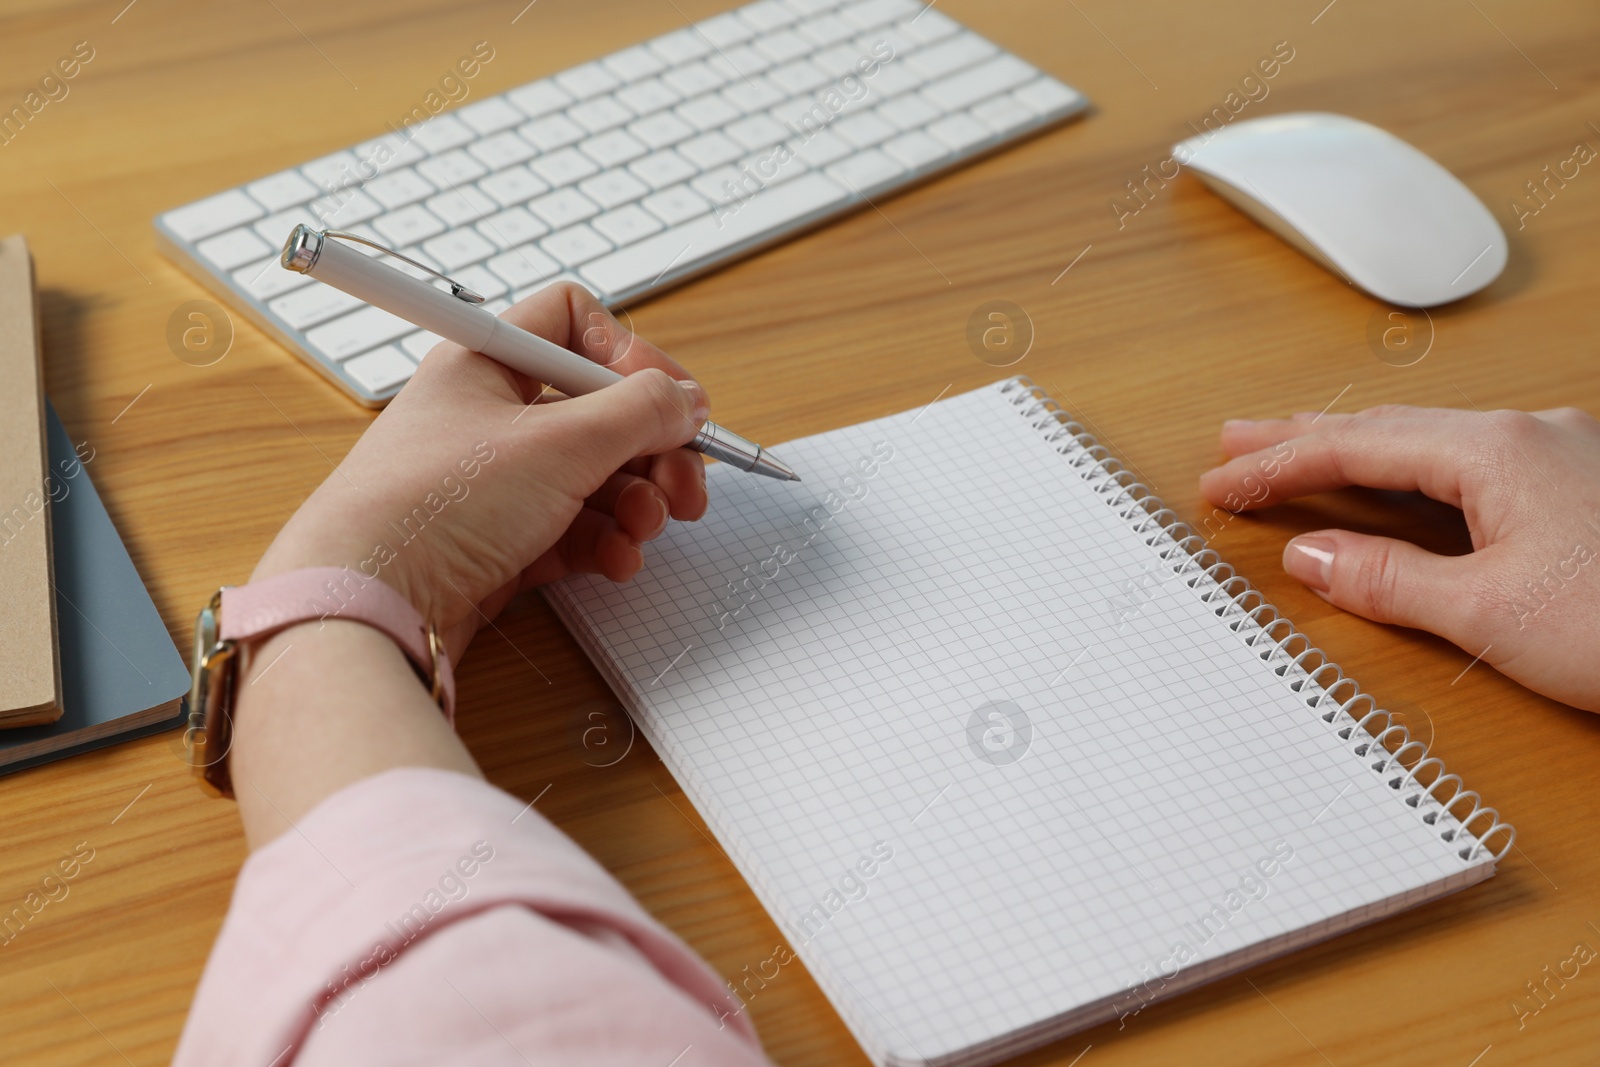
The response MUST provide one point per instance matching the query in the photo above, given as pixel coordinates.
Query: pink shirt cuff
(422, 911)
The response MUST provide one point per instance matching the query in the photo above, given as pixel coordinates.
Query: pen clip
(457, 290)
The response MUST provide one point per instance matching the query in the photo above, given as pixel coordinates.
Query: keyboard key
(775, 164)
(812, 7)
(344, 210)
(281, 190)
(420, 343)
(978, 83)
(825, 30)
(357, 332)
(503, 150)
(451, 169)
(1004, 114)
(724, 30)
(540, 98)
(633, 64)
(909, 112)
(233, 249)
(381, 370)
(268, 278)
(311, 305)
(746, 60)
(442, 133)
(915, 149)
(680, 46)
(613, 148)
(213, 215)
(672, 206)
(725, 185)
(591, 79)
(458, 248)
(387, 153)
(331, 172)
(275, 229)
(400, 188)
(694, 79)
(873, 13)
(929, 26)
(962, 50)
(752, 94)
(661, 130)
(599, 114)
(512, 227)
(798, 77)
(491, 115)
(563, 208)
(895, 78)
(820, 149)
(757, 131)
(553, 132)
(783, 46)
(409, 225)
(767, 15)
(864, 130)
(960, 132)
(709, 150)
(481, 281)
(661, 169)
(514, 185)
(613, 187)
(864, 171)
(626, 225)
(1048, 96)
(840, 61)
(707, 112)
(648, 96)
(575, 245)
(457, 207)
(564, 167)
(682, 248)
(523, 266)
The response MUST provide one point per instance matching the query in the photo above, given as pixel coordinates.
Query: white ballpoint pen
(454, 315)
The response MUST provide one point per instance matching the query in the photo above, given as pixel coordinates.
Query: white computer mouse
(1358, 200)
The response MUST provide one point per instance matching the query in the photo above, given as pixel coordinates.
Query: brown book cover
(30, 672)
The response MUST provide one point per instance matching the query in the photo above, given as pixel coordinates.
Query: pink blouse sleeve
(425, 916)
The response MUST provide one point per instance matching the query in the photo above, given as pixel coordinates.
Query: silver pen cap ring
(300, 252)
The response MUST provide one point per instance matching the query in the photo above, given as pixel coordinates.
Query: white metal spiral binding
(1370, 733)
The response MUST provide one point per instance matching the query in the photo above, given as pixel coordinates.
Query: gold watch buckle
(208, 733)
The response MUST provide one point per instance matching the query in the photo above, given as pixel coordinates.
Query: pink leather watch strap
(258, 610)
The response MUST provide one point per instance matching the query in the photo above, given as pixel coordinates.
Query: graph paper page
(822, 673)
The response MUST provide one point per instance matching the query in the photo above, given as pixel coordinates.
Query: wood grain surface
(1184, 315)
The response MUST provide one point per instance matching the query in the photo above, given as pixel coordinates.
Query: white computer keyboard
(628, 174)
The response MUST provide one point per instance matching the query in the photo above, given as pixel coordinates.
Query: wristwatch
(237, 615)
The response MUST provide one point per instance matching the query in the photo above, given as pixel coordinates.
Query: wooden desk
(1187, 315)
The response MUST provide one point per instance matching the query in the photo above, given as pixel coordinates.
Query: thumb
(646, 413)
(1385, 580)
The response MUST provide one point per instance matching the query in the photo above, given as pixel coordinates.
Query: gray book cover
(121, 675)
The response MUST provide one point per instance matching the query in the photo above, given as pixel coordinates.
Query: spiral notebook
(1003, 747)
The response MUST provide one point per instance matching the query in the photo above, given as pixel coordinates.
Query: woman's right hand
(1527, 598)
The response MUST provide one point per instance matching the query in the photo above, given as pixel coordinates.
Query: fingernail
(661, 523)
(1310, 559)
(702, 402)
(1231, 423)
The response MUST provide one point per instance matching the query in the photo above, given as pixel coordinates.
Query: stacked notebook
(1002, 748)
(84, 657)
(121, 676)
